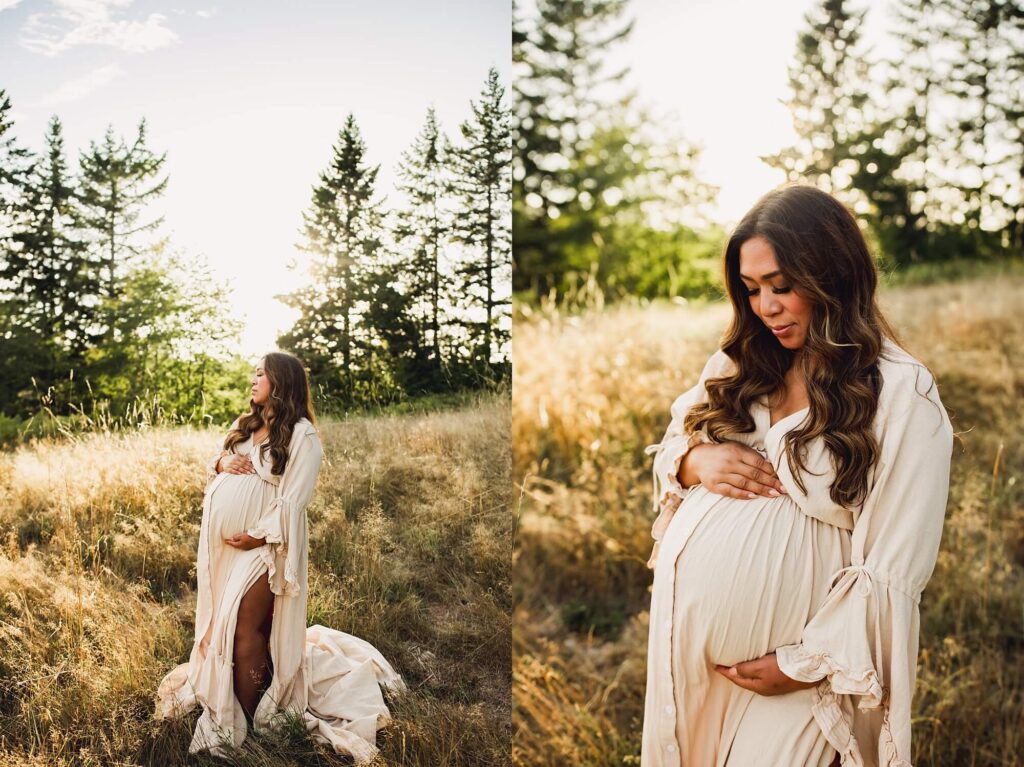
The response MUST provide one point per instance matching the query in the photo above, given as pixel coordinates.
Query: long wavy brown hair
(290, 400)
(822, 254)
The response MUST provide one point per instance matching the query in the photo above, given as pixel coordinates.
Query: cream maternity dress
(327, 677)
(833, 592)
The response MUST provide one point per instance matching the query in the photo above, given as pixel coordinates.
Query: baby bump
(237, 502)
(750, 577)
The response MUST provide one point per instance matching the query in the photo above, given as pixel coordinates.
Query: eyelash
(774, 290)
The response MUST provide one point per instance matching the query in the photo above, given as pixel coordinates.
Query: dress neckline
(763, 400)
(785, 417)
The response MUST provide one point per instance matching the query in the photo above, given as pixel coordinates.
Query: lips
(780, 327)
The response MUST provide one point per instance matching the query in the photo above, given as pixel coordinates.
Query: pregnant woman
(802, 487)
(253, 657)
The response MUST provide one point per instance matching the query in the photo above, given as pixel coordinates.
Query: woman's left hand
(762, 676)
(244, 541)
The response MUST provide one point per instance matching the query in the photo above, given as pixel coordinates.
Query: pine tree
(15, 164)
(482, 184)
(563, 114)
(829, 84)
(49, 265)
(116, 183)
(342, 229)
(423, 227)
(22, 350)
(985, 34)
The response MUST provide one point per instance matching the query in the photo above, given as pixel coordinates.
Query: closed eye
(755, 291)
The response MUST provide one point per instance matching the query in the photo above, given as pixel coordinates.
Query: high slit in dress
(328, 678)
(832, 591)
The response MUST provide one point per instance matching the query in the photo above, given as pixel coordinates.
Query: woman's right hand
(234, 463)
(731, 469)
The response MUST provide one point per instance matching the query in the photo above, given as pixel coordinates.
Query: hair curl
(290, 400)
(822, 254)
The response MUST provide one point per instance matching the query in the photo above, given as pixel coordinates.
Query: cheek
(799, 308)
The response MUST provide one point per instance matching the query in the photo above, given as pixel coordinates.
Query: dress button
(668, 623)
(670, 748)
(670, 710)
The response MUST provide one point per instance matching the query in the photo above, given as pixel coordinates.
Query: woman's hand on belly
(244, 541)
(731, 469)
(762, 676)
(234, 463)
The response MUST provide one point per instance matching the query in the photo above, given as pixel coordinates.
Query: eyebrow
(768, 276)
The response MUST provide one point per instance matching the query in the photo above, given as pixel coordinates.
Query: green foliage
(100, 329)
(116, 181)
(829, 91)
(927, 146)
(593, 183)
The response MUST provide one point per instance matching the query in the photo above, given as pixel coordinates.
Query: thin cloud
(6, 5)
(93, 22)
(80, 87)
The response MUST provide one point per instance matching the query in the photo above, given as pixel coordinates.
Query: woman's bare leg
(251, 673)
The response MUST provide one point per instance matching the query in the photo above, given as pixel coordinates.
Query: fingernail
(751, 495)
(773, 492)
(784, 490)
(732, 671)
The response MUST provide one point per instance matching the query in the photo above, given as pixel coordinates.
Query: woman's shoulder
(900, 370)
(304, 428)
(907, 383)
(718, 364)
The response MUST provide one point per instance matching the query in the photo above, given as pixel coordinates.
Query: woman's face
(260, 385)
(781, 308)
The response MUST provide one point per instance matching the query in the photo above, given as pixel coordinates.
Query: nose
(769, 304)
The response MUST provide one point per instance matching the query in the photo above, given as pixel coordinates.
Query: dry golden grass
(590, 391)
(410, 542)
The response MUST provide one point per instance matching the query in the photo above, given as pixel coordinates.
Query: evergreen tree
(423, 227)
(1014, 112)
(342, 229)
(985, 87)
(916, 88)
(563, 114)
(15, 163)
(116, 183)
(830, 88)
(48, 266)
(482, 184)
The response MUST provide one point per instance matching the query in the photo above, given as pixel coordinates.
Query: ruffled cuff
(270, 526)
(856, 645)
(281, 570)
(667, 492)
(804, 665)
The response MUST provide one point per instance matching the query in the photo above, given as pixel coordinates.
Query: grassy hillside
(410, 541)
(592, 390)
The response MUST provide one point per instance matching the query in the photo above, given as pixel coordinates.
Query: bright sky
(719, 68)
(247, 100)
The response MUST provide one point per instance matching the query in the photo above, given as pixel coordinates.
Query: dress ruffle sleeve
(668, 493)
(864, 639)
(283, 522)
